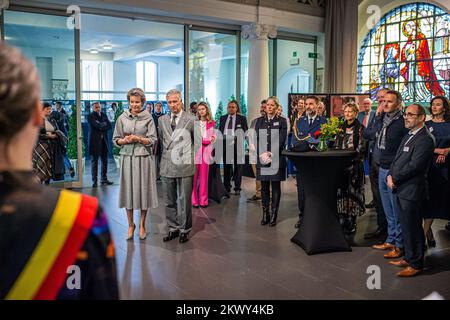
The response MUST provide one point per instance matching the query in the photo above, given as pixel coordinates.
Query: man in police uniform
(304, 130)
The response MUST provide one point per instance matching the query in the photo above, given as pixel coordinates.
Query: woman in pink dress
(204, 155)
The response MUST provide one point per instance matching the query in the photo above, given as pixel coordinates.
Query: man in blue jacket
(304, 130)
(390, 132)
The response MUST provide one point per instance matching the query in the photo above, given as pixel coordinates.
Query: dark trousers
(275, 196)
(104, 157)
(300, 194)
(408, 213)
(381, 216)
(235, 171)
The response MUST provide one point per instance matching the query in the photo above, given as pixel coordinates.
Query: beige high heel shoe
(143, 237)
(132, 233)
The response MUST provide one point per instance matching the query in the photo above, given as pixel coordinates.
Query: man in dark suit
(233, 127)
(98, 143)
(366, 117)
(407, 179)
(304, 130)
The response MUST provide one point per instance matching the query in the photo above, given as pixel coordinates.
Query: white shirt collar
(417, 130)
(178, 114)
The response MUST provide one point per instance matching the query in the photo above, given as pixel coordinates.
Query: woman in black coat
(351, 193)
(271, 134)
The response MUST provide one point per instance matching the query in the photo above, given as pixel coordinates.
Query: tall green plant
(72, 135)
(219, 113)
(119, 111)
(243, 106)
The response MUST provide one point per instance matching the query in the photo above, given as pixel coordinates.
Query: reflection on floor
(230, 256)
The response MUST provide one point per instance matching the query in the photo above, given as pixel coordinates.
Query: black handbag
(302, 146)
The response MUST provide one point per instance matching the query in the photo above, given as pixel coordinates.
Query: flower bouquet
(328, 132)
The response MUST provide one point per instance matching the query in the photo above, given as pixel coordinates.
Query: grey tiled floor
(230, 256)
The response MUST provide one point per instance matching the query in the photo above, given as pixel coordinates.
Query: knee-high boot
(265, 216)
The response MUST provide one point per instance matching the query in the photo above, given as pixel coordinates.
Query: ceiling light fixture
(93, 51)
(107, 47)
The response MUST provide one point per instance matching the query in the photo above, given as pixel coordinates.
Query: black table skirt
(321, 173)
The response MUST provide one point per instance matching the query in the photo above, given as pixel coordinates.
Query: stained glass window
(409, 51)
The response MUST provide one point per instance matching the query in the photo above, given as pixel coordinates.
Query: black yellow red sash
(45, 271)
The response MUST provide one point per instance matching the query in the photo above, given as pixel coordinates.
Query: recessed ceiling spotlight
(107, 47)
(93, 51)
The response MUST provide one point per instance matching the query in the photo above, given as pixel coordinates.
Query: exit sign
(313, 55)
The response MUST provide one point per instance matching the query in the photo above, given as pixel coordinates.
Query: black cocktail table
(320, 174)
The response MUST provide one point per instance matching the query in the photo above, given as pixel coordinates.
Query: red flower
(317, 134)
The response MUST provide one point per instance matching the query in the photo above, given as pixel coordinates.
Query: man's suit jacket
(370, 143)
(369, 121)
(410, 165)
(177, 160)
(241, 123)
(99, 126)
(303, 129)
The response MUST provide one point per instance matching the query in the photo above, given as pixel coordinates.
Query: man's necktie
(366, 116)
(230, 123)
(174, 123)
(310, 122)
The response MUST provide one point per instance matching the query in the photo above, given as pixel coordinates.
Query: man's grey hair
(368, 99)
(173, 92)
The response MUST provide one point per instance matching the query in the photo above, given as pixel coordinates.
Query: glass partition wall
(108, 56)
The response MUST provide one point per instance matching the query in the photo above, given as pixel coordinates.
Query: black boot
(266, 216)
(273, 217)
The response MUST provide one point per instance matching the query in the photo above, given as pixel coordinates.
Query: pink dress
(203, 158)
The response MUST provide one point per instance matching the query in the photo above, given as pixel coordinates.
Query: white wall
(62, 63)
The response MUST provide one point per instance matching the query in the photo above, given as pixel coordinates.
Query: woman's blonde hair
(136, 92)
(208, 111)
(354, 106)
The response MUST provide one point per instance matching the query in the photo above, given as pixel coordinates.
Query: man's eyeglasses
(410, 115)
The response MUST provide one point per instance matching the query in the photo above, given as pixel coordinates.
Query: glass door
(48, 42)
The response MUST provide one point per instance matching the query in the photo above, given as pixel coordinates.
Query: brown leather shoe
(408, 272)
(400, 263)
(384, 246)
(394, 254)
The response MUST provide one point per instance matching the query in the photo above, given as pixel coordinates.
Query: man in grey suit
(176, 132)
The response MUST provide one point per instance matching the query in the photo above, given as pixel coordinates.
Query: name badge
(276, 123)
(239, 126)
(431, 129)
(406, 149)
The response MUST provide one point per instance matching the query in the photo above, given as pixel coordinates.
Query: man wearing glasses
(407, 180)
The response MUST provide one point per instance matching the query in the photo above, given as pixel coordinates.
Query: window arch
(409, 51)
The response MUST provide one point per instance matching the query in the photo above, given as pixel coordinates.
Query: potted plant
(72, 144)
(328, 132)
(116, 150)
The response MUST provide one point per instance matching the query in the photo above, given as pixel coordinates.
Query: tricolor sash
(46, 269)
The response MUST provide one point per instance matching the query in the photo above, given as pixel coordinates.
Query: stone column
(258, 65)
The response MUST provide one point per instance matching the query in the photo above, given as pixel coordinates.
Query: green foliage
(72, 135)
(117, 114)
(330, 129)
(244, 110)
(219, 113)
